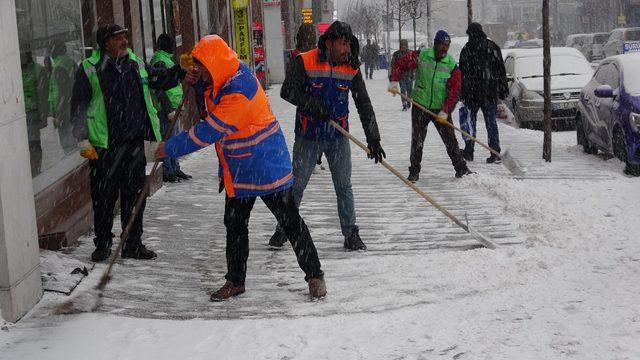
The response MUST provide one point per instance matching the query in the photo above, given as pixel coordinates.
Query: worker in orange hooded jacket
(253, 161)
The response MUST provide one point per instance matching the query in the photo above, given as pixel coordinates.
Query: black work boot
(413, 177)
(467, 154)
(100, 254)
(354, 242)
(172, 178)
(139, 252)
(493, 159)
(278, 239)
(463, 171)
(180, 174)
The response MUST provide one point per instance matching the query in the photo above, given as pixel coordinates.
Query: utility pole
(546, 65)
(388, 25)
(469, 12)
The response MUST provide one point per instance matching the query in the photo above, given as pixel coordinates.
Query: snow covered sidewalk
(564, 285)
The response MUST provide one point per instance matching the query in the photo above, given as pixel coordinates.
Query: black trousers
(419, 122)
(119, 170)
(236, 220)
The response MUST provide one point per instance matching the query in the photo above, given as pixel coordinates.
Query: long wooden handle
(106, 276)
(444, 122)
(401, 177)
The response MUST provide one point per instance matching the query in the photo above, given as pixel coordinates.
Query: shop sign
(271, 2)
(240, 4)
(631, 46)
(322, 27)
(241, 27)
(307, 15)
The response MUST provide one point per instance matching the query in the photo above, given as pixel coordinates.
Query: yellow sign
(307, 15)
(622, 19)
(241, 27)
(240, 4)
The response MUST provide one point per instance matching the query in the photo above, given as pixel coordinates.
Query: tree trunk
(546, 53)
(429, 36)
(469, 12)
(399, 22)
(414, 33)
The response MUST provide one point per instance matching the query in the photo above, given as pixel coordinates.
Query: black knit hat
(106, 31)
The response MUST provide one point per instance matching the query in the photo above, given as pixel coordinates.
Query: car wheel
(581, 137)
(619, 145)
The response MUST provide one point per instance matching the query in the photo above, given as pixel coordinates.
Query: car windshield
(561, 65)
(600, 39)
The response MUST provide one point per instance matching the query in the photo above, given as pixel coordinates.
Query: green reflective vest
(30, 74)
(60, 61)
(431, 79)
(97, 111)
(174, 94)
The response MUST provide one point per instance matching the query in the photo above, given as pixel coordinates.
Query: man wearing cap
(436, 88)
(318, 84)
(113, 114)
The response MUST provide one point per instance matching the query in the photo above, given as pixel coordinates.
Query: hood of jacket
(219, 59)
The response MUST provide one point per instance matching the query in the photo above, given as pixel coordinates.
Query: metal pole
(469, 12)
(546, 53)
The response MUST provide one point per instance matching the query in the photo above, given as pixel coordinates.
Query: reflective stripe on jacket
(97, 112)
(252, 152)
(331, 84)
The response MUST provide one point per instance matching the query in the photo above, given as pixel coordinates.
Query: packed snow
(565, 285)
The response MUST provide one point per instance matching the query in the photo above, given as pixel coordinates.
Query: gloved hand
(394, 87)
(171, 115)
(375, 151)
(87, 150)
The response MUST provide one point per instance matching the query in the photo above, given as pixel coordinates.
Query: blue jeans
(468, 124)
(338, 154)
(170, 165)
(406, 88)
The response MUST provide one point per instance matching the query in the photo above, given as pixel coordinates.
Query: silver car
(622, 41)
(570, 71)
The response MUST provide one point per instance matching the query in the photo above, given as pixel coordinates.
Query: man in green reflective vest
(34, 86)
(438, 83)
(167, 102)
(113, 114)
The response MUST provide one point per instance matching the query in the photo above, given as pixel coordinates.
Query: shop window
(51, 46)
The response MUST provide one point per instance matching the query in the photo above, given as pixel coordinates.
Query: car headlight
(634, 120)
(531, 96)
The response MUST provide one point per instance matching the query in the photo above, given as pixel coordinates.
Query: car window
(616, 35)
(608, 75)
(632, 35)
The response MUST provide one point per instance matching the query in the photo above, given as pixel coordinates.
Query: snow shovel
(89, 300)
(507, 160)
(485, 241)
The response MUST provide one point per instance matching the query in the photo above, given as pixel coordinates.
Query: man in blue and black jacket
(318, 84)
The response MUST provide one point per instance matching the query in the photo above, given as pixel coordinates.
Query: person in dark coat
(318, 85)
(484, 81)
(369, 57)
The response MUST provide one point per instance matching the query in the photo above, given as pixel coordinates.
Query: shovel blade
(481, 238)
(512, 164)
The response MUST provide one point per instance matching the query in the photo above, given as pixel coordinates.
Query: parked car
(622, 41)
(608, 117)
(593, 46)
(575, 40)
(570, 71)
(529, 44)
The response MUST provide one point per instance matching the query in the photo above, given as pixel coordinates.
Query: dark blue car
(608, 117)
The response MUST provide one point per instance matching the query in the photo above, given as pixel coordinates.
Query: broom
(87, 301)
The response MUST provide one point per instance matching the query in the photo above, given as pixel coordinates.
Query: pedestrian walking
(253, 162)
(406, 77)
(318, 85)
(113, 115)
(167, 102)
(484, 82)
(437, 87)
(369, 57)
